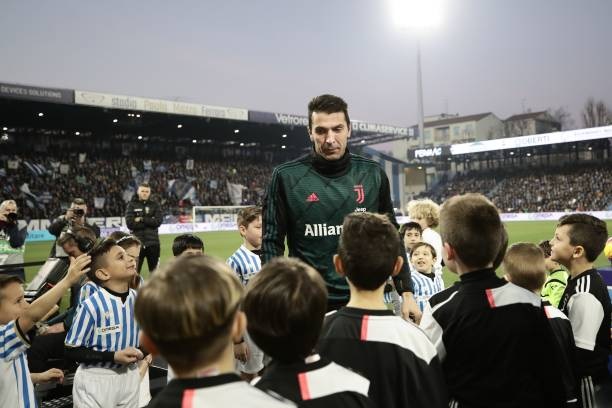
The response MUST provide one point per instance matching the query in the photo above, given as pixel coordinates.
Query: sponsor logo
(361, 209)
(101, 331)
(436, 151)
(360, 193)
(322, 230)
(312, 198)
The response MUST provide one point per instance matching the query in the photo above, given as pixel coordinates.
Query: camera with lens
(78, 212)
(11, 217)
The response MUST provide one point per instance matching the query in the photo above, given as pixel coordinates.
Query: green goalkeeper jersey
(306, 202)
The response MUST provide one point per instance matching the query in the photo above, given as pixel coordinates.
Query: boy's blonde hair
(248, 215)
(187, 309)
(524, 264)
(427, 209)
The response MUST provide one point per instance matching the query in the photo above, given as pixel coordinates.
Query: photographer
(76, 215)
(12, 240)
(143, 217)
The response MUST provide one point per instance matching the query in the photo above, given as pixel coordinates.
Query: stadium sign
(568, 136)
(157, 105)
(298, 120)
(36, 93)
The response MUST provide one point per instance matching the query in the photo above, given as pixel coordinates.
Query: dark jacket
(150, 218)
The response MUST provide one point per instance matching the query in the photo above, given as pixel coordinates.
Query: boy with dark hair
(490, 334)
(195, 334)
(187, 243)
(424, 278)
(397, 357)
(17, 317)
(410, 233)
(245, 262)
(578, 241)
(524, 265)
(295, 294)
(104, 334)
(557, 277)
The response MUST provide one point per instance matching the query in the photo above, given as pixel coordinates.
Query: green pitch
(223, 244)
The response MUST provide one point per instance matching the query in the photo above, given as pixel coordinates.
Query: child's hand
(241, 352)
(54, 374)
(78, 268)
(128, 355)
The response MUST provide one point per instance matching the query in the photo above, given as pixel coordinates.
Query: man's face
(9, 208)
(144, 193)
(560, 248)
(75, 207)
(71, 248)
(329, 134)
(13, 304)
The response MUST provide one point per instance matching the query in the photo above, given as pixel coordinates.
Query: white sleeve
(585, 314)
(433, 330)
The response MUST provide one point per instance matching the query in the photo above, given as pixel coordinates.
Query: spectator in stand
(143, 217)
(12, 240)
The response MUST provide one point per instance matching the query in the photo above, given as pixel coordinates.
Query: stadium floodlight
(5, 128)
(194, 141)
(241, 144)
(139, 137)
(283, 147)
(138, 115)
(236, 130)
(284, 136)
(179, 126)
(40, 114)
(115, 120)
(77, 133)
(418, 15)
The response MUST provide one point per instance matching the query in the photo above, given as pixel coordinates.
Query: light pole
(417, 15)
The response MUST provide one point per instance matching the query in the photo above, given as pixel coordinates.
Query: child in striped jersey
(16, 319)
(190, 314)
(426, 282)
(246, 263)
(104, 334)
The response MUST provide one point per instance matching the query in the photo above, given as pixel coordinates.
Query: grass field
(223, 244)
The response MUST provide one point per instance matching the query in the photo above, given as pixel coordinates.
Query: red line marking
(364, 327)
(490, 298)
(303, 380)
(188, 399)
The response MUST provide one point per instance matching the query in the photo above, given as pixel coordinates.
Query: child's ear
(579, 251)
(242, 229)
(399, 262)
(148, 344)
(450, 252)
(339, 266)
(102, 275)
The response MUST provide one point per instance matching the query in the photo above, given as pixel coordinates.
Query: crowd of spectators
(44, 186)
(575, 187)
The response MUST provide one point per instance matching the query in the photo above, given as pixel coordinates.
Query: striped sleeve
(12, 342)
(234, 263)
(274, 220)
(81, 331)
(88, 289)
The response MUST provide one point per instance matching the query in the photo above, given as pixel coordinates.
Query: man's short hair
(471, 225)
(6, 280)
(248, 215)
(368, 247)
(545, 247)
(186, 241)
(78, 232)
(524, 264)
(187, 309)
(411, 225)
(78, 201)
(295, 295)
(98, 258)
(586, 231)
(424, 244)
(327, 104)
(144, 184)
(426, 209)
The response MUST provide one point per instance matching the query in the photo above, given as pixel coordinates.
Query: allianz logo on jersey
(321, 230)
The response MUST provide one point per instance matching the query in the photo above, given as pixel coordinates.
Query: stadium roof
(458, 119)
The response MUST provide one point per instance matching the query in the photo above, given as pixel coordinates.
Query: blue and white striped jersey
(16, 388)
(245, 263)
(425, 287)
(104, 323)
(88, 289)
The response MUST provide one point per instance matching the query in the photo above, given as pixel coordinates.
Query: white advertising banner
(158, 105)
